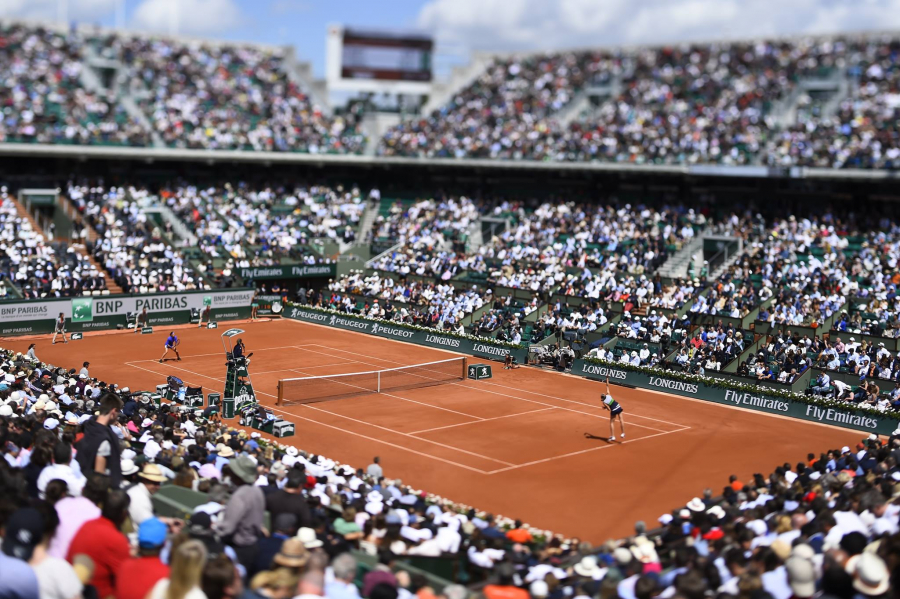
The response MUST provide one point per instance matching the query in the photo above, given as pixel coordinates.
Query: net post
(378, 383)
(280, 398)
(465, 366)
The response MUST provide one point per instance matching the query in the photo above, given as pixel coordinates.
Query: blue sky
(462, 26)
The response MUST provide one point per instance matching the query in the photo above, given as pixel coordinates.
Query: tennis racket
(177, 343)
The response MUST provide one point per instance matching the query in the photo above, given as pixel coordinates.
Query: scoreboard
(378, 61)
(388, 58)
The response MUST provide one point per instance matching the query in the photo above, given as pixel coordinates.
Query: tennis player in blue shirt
(171, 343)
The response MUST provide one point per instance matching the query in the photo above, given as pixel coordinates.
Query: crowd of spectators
(195, 95)
(440, 304)
(432, 234)
(42, 98)
(82, 460)
(718, 102)
(609, 237)
(227, 97)
(39, 268)
(504, 113)
(130, 246)
(266, 226)
(694, 103)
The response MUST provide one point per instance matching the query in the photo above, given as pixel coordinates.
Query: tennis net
(313, 389)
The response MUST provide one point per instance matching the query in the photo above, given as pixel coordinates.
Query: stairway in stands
(110, 283)
(72, 212)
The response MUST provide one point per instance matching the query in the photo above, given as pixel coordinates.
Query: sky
(463, 26)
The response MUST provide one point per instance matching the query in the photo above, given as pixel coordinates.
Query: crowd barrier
(97, 313)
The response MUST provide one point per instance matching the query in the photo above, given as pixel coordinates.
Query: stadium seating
(718, 103)
(209, 96)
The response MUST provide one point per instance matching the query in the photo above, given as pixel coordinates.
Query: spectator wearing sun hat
(242, 521)
(224, 453)
(871, 577)
(309, 539)
(149, 480)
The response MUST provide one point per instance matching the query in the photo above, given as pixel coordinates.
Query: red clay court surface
(528, 444)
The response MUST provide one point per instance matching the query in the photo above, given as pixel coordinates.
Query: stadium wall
(751, 397)
(465, 344)
(37, 317)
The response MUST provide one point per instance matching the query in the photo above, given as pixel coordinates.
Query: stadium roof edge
(269, 158)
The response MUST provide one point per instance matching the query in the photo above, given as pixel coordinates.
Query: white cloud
(48, 10)
(505, 25)
(202, 17)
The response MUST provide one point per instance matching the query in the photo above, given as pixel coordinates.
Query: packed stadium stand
(162, 92)
(808, 102)
(820, 102)
(763, 283)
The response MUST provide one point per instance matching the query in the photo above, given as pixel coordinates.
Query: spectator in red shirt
(519, 534)
(505, 587)
(137, 576)
(103, 542)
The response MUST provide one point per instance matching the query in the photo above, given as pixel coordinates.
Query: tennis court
(528, 443)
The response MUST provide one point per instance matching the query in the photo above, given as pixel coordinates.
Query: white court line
(390, 430)
(440, 428)
(212, 378)
(294, 369)
(574, 453)
(388, 443)
(478, 455)
(222, 353)
(540, 403)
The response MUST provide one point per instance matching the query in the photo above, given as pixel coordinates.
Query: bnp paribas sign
(82, 309)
